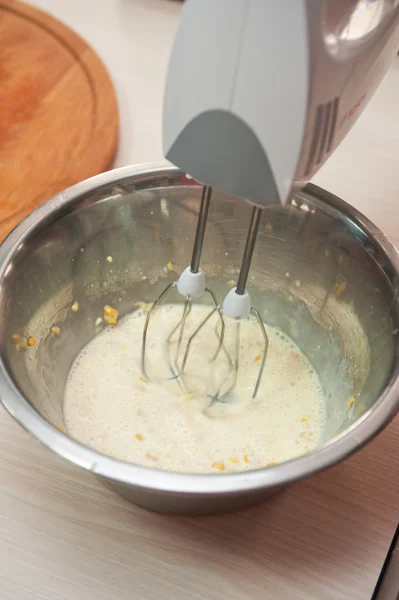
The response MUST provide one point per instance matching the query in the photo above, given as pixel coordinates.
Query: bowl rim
(374, 419)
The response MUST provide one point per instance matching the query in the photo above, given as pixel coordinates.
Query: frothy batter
(110, 407)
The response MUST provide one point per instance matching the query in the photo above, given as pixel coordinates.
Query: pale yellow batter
(110, 407)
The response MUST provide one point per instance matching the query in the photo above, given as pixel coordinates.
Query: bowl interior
(316, 273)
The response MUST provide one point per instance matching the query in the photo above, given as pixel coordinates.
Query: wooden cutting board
(58, 111)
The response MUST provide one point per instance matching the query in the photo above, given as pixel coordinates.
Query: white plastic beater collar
(237, 306)
(191, 284)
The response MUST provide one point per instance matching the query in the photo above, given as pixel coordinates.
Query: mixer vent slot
(323, 136)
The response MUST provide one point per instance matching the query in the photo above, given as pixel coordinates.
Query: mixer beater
(236, 306)
(191, 284)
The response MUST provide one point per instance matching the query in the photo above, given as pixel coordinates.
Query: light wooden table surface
(64, 536)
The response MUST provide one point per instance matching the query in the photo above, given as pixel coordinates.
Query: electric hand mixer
(259, 93)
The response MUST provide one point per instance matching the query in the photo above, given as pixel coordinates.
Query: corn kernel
(56, 330)
(20, 345)
(258, 357)
(151, 457)
(19, 341)
(75, 306)
(60, 427)
(111, 320)
(139, 437)
(304, 420)
(141, 305)
(169, 266)
(233, 460)
(351, 402)
(110, 314)
(246, 459)
(31, 341)
(340, 288)
(109, 259)
(218, 465)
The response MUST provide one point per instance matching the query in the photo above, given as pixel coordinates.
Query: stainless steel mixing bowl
(321, 272)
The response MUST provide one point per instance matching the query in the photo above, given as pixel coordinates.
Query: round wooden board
(58, 111)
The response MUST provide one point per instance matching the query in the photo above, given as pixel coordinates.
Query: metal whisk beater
(191, 284)
(237, 305)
